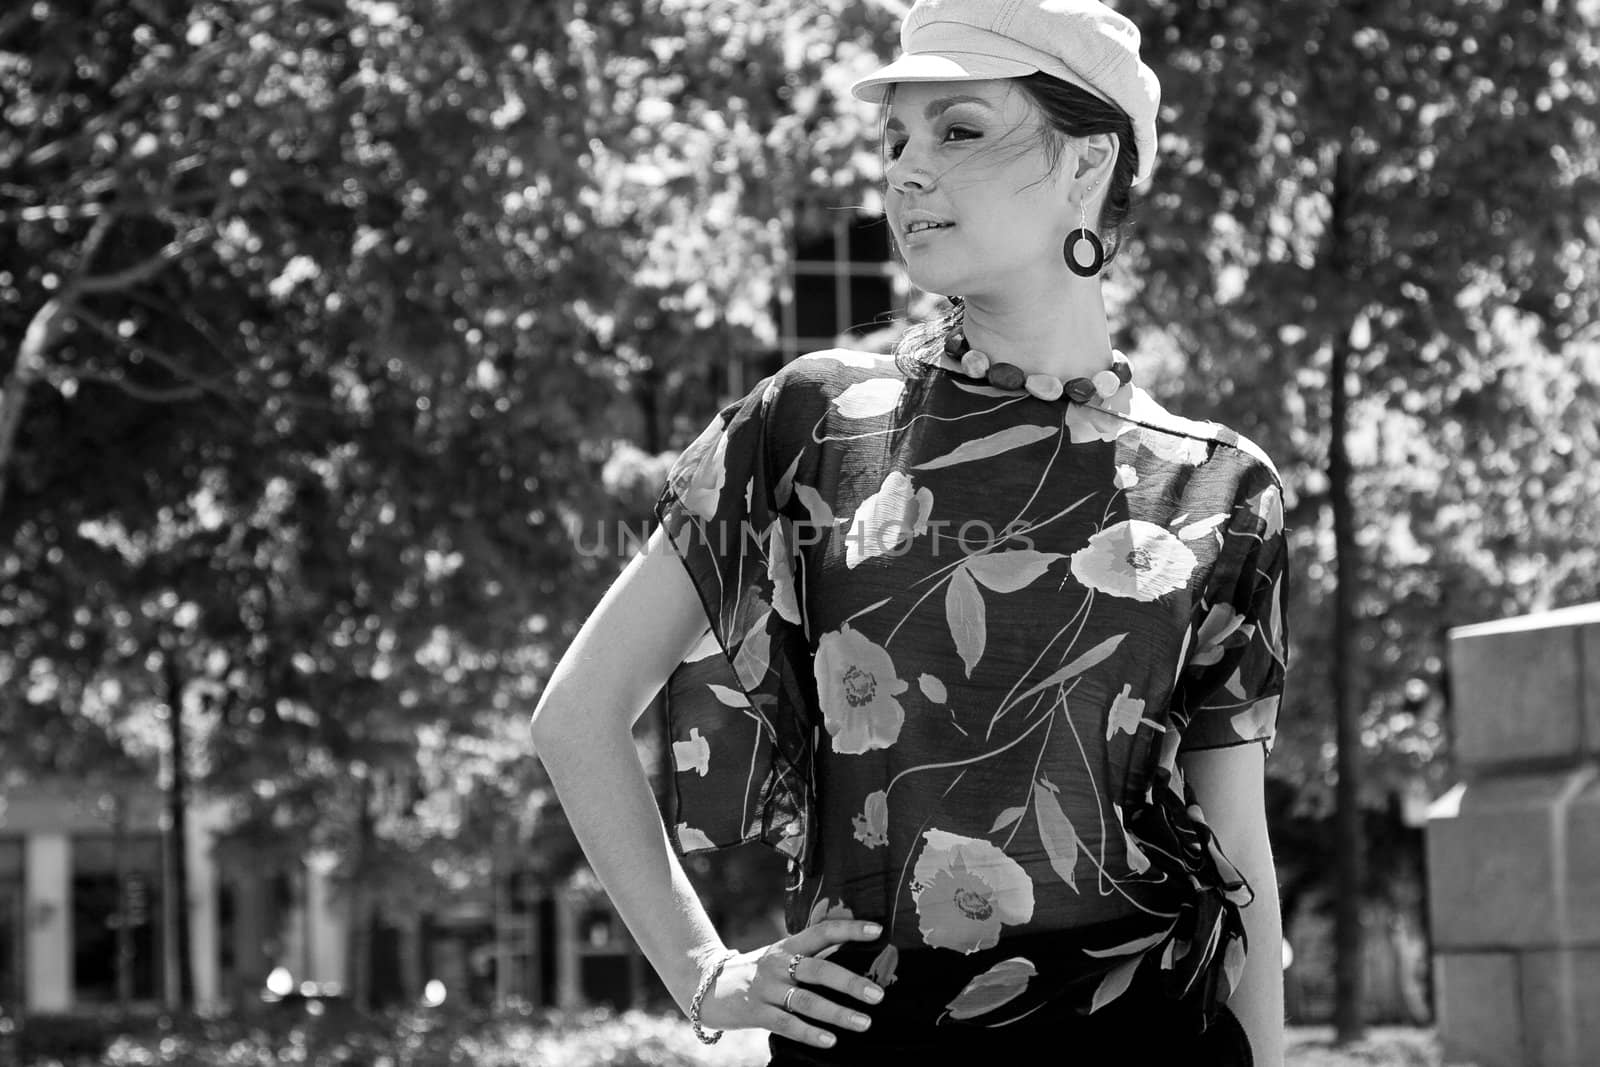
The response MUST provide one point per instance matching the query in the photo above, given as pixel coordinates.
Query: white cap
(1082, 42)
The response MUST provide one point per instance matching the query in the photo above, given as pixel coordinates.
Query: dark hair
(1073, 112)
(1068, 112)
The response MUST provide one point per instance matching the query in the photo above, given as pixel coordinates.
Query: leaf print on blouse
(869, 399)
(1223, 627)
(693, 754)
(1006, 572)
(989, 446)
(884, 966)
(1093, 424)
(780, 570)
(692, 839)
(1007, 817)
(884, 521)
(1138, 862)
(856, 686)
(967, 618)
(828, 908)
(1134, 559)
(755, 650)
(965, 889)
(964, 610)
(818, 512)
(1268, 506)
(1056, 832)
(708, 472)
(1127, 714)
(848, 356)
(1258, 721)
(1195, 530)
(872, 825)
(1174, 448)
(1000, 984)
(1115, 983)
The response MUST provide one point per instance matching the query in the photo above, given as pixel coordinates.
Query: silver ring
(792, 991)
(794, 963)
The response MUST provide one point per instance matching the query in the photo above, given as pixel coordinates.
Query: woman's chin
(930, 279)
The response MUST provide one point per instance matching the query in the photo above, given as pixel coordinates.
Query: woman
(992, 635)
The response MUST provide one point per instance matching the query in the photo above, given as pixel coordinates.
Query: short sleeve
(736, 708)
(1231, 684)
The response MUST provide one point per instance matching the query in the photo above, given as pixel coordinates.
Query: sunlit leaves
(1415, 180)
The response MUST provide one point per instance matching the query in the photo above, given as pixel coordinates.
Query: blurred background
(334, 333)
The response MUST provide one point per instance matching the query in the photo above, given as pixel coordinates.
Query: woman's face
(973, 201)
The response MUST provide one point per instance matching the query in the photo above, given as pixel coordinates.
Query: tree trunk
(175, 900)
(651, 381)
(500, 881)
(1348, 851)
(360, 936)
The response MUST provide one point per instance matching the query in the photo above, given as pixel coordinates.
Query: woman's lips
(913, 236)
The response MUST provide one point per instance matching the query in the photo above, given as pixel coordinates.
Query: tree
(355, 296)
(1379, 214)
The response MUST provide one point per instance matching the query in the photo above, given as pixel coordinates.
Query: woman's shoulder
(1155, 418)
(832, 365)
(816, 380)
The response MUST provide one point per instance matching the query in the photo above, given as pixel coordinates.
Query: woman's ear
(1097, 155)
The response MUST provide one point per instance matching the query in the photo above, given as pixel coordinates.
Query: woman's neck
(1065, 334)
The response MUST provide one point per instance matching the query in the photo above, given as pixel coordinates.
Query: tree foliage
(1418, 183)
(327, 331)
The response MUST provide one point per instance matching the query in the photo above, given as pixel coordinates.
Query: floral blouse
(958, 636)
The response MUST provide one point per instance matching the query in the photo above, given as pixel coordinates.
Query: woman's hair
(1073, 112)
(1068, 112)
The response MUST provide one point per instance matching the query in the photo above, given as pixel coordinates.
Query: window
(116, 937)
(843, 286)
(10, 924)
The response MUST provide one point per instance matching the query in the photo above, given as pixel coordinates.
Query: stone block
(1586, 973)
(1583, 874)
(1518, 694)
(1560, 991)
(1479, 1017)
(1589, 648)
(1492, 866)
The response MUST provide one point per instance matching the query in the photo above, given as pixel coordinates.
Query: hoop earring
(1083, 233)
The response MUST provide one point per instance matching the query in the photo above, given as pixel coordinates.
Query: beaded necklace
(977, 364)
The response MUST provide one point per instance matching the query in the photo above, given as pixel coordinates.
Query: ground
(599, 1038)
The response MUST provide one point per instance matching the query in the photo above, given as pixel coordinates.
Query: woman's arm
(1229, 785)
(582, 731)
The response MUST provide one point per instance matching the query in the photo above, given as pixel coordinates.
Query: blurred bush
(337, 1038)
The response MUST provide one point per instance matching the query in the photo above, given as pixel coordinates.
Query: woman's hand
(751, 990)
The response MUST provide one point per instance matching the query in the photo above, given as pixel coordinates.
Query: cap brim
(937, 67)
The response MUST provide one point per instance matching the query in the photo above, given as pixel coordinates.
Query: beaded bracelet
(707, 980)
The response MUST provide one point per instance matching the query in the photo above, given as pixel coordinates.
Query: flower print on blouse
(958, 637)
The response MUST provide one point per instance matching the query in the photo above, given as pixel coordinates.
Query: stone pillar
(251, 963)
(47, 861)
(569, 963)
(327, 923)
(1514, 850)
(204, 938)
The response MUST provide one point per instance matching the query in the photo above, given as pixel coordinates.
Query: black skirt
(1139, 1029)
